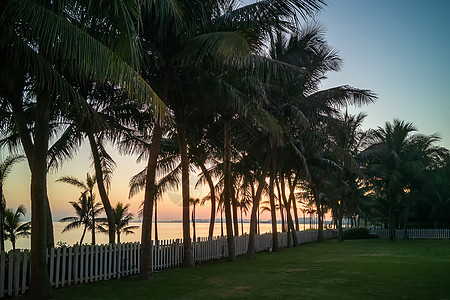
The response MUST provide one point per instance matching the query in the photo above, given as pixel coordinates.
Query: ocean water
(166, 230)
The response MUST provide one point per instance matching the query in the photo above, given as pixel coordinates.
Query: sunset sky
(398, 49)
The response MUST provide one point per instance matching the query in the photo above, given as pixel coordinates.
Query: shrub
(358, 233)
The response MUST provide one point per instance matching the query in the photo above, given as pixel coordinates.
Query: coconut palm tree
(122, 218)
(87, 188)
(5, 170)
(85, 211)
(398, 156)
(46, 35)
(14, 227)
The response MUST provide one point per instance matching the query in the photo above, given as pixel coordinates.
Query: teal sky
(400, 50)
(397, 48)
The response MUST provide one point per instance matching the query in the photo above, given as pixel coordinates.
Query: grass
(355, 269)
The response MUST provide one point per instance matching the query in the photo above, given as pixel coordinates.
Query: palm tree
(85, 211)
(122, 218)
(13, 227)
(87, 187)
(5, 170)
(398, 156)
(194, 202)
(47, 35)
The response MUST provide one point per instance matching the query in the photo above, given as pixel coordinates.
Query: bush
(358, 233)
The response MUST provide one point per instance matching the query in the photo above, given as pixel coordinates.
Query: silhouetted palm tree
(84, 210)
(122, 218)
(13, 227)
(5, 170)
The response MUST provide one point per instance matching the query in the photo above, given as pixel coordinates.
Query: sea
(166, 230)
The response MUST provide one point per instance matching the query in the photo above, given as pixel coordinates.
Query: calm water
(165, 231)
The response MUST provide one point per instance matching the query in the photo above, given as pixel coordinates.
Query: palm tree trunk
(146, 271)
(2, 223)
(287, 205)
(101, 188)
(93, 218)
(294, 207)
(39, 278)
(221, 220)
(227, 191)
(194, 236)
(82, 235)
(242, 222)
(392, 202)
(118, 237)
(213, 199)
(273, 212)
(283, 229)
(188, 253)
(405, 222)
(340, 216)
(251, 250)
(156, 220)
(234, 206)
(50, 235)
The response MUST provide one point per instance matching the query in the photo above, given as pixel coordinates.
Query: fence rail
(81, 264)
(428, 234)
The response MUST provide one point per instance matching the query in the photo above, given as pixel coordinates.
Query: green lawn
(358, 269)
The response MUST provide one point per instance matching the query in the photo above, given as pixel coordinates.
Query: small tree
(14, 227)
(122, 217)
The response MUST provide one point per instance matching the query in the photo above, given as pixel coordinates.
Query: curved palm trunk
(273, 212)
(50, 235)
(227, 192)
(118, 237)
(194, 236)
(82, 235)
(188, 253)
(101, 188)
(251, 250)
(294, 207)
(146, 271)
(283, 229)
(292, 235)
(213, 199)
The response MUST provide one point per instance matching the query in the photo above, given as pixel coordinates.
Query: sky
(398, 49)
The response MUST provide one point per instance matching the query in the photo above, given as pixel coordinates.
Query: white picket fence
(428, 234)
(81, 264)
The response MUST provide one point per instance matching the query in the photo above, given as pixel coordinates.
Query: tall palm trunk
(251, 250)
(291, 232)
(82, 235)
(213, 199)
(93, 217)
(2, 220)
(50, 235)
(194, 235)
(392, 202)
(227, 191)
(39, 279)
(292, 184)
(340, 217)
(156, 220)
(273, 212)
(318, 201)
(242, 222)
(101, 188)
(146, 271)
(188, 253)
(234, 206)
(283, 229)
(405, 222)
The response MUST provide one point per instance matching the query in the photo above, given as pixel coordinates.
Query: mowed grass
(357, 269)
